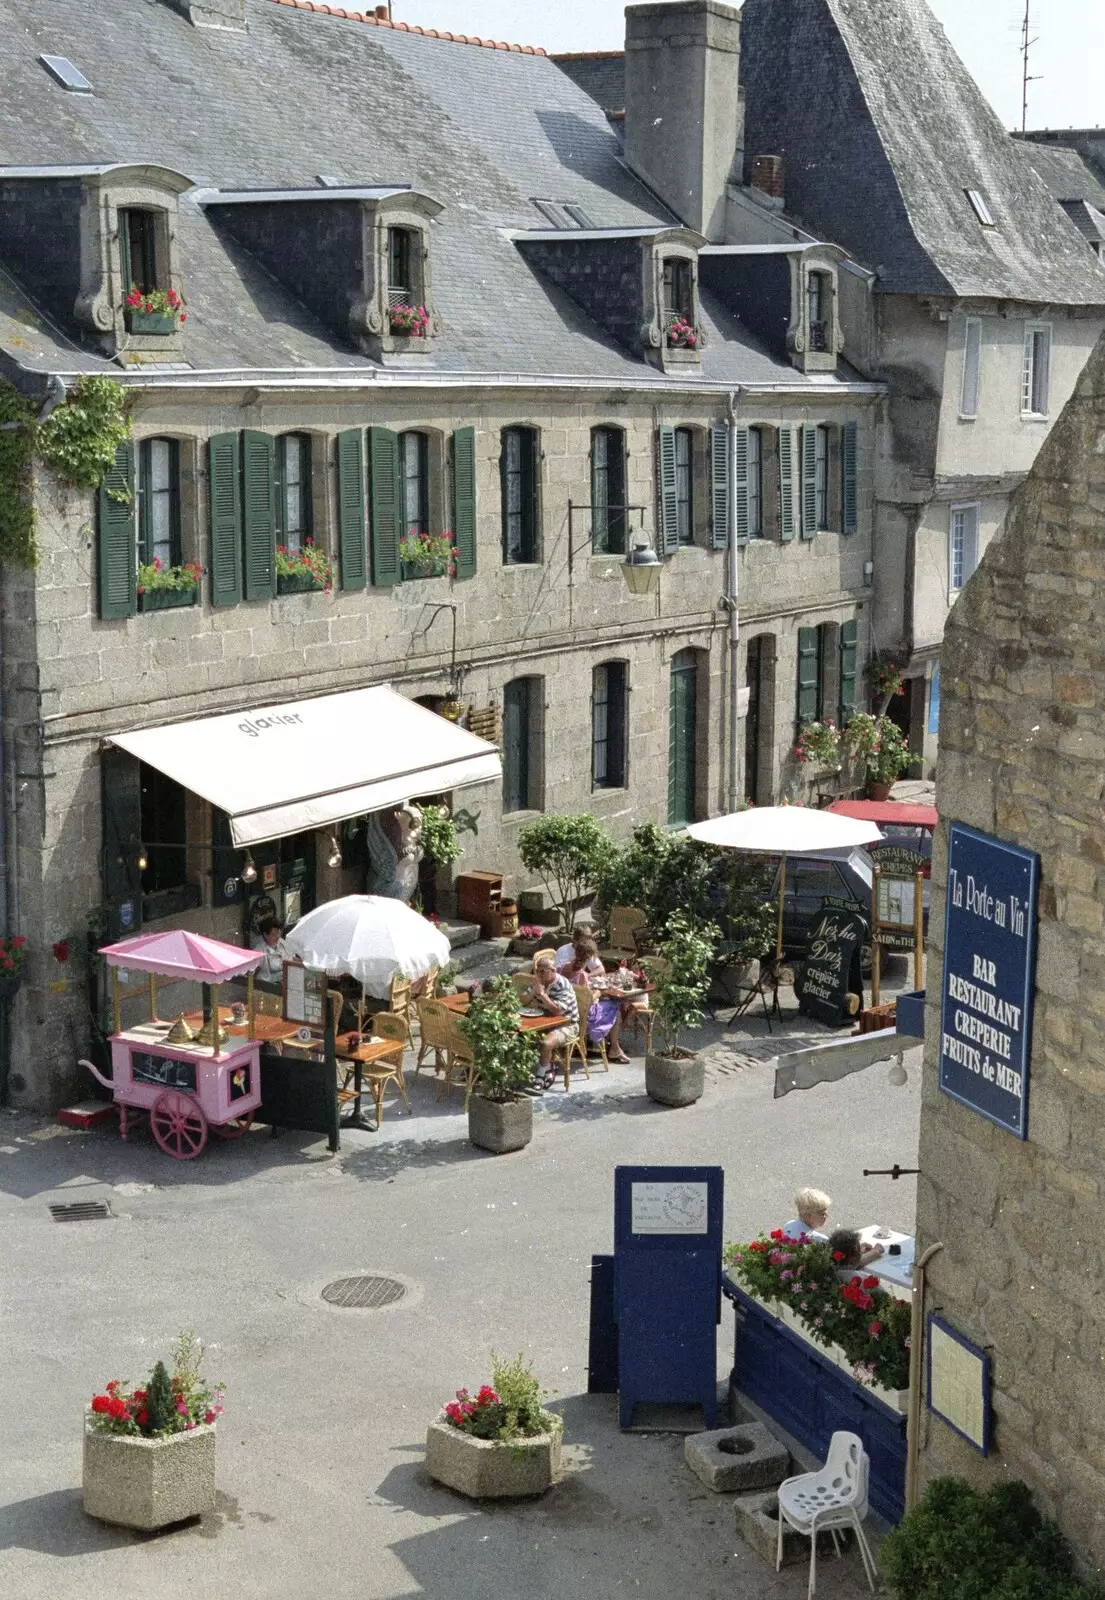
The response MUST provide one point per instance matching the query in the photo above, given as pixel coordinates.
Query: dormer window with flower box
(786, 293)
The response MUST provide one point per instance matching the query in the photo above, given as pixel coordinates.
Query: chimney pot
(383, 13)
(768, 175)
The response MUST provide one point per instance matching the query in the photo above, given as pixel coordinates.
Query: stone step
(480, 953)
(460, 934)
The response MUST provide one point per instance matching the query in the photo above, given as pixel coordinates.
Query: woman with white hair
(813, 1212)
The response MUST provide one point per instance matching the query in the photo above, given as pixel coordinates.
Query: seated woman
(850, 1253)
(604, 1020)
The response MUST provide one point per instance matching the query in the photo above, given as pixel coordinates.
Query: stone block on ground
(731, 1460)
(757, 1519)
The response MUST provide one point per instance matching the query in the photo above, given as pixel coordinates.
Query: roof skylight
(564, 214)
(980, 207)
(62, 70)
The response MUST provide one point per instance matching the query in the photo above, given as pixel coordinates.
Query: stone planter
(757, 1519)
(299, 583)
(878, 791)
(157, 322)
(525, 947)
(500, 1125)
(166, 599)
(734, 1460)
(674, 1080)
(148, 1483)
(486, 1469)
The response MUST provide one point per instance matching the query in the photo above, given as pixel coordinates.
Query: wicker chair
(432, 1035)
(460, 1065)
(389, 1025)
(400, 1003)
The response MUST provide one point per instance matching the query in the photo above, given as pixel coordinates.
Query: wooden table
(269, 1030)
(366, 1055)
(458, 1004)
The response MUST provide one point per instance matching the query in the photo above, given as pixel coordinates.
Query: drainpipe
(731, 604)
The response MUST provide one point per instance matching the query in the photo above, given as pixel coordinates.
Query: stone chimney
(684, 120)
(768, 176)
(228, 14)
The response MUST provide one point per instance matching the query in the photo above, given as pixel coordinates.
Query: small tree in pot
(500, 1116)
(675, 1076)
(571, 853)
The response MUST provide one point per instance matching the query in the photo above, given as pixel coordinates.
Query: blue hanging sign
(989, 972)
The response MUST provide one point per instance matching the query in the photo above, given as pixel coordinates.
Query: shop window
(157, 497)
(518, 465)
(608, 491)
(523, 744)
(609, 721)
(293, 491)
(163, 826)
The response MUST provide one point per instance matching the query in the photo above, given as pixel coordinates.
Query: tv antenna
(1026, 77)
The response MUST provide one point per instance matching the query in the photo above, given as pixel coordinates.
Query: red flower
(777, 1233)
(487, 1396)
(871, 1283)
(839, 1255)
(19, 941)
(61, 950)
(101, 1402)
(117, 1408)
(875, 1329)
(142, 1418)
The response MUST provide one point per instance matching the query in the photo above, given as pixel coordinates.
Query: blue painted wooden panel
(812, 1399)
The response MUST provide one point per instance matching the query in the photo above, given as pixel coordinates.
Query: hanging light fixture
(334, 858)
(143, 858)
(249, 871)
(641, 568)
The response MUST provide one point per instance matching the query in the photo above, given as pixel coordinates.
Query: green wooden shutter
(786, 483)
(849, 503)
(809, 675)
(740, 483)
(121, 795)
(116, 537)
(226, 519)
(719, 483)
(809, 482)
(352, 550)
(383, 451)
(259, 514)
(464, 501)
(669, 510)
(849, 635)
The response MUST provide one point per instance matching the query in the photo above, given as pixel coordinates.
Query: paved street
(319, 1451)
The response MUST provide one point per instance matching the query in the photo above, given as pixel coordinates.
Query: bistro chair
(426, 988)
(577, 1045)
(400, 1004)
(624, 922)
(431, 1035)
(375, 1078)
(268, 1005)
(542, 955)
(389, 1025)
(835, 1496)
(523, 983)
(460, 1067)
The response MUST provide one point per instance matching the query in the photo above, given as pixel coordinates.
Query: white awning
(280, 770)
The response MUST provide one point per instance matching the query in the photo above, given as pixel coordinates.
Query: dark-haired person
(269, 939)
(849, 1252)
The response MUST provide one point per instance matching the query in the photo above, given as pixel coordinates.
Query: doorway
(683, 737)
(759, 725)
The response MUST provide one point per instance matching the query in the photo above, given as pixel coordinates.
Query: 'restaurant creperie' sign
(989, 972)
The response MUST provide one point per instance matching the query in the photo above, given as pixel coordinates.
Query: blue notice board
(989, 973)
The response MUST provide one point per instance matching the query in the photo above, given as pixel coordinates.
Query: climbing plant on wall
(77, 442)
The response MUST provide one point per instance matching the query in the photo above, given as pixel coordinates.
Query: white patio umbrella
(785, 831)
(371, 937)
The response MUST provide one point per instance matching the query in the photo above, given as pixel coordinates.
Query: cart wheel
(233, 1129)
(178, 1125)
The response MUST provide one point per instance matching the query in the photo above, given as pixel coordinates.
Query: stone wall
(1022, 756)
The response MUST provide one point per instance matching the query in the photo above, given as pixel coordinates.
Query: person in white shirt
(813, 1213)
(270, 941)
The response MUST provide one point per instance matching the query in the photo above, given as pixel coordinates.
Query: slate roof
(883, 130)
(303, 94)
(1064, 171)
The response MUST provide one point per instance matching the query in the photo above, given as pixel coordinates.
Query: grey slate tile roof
(1064, 171)
(883, 129)
(301, 94)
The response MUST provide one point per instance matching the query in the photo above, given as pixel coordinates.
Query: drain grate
(363, 1293)
(81, 1211)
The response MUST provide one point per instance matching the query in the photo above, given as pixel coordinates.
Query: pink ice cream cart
(187, 1081)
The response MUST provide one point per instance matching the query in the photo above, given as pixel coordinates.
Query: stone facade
(73, 679)
(1021, 757)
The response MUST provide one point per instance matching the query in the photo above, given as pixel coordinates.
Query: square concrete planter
(485, 1469)
(148, 1483)
(732, 1460)
(500, 1125)
(674, 1080)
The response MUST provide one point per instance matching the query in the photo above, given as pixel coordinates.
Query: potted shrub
(500, 1116)
(819, 745)
(682, 335)
(410, 322)
(158, 311)
(149, 1453)
(13, 958)
(675, 1076)
(160, 587)
(879, 745)
(298, 571)
(528, 939)
(428, 555)
(571, 853)
(499, 1443)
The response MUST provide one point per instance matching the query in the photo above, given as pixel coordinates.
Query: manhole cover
(363, 1293)
(80, 1211)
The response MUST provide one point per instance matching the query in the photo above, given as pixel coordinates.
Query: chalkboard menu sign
(164, 1070)
(836, 939)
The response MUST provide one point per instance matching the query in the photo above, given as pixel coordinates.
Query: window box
(434, 569)
(299, 583)
(157, 322)
(166, 599)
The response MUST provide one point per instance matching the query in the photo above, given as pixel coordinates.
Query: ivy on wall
(77, 442)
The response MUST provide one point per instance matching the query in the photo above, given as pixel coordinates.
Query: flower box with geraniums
(149, 1451)
(860, 1326)
(819, 746)
(155, 311)
(13, 958)
(428, 555)
(301, 571)
(880, 749)
(527, 941)
(499, 1443)
(500, 1112)
(675, 1076)
(409, 322)
(161, 587)
(682, 335)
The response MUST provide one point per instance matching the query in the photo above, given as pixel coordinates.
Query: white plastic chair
(835, 1496)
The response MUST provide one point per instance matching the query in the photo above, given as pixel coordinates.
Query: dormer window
(818, 290)
(401, 283)
(678, 290)
(138, 245)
